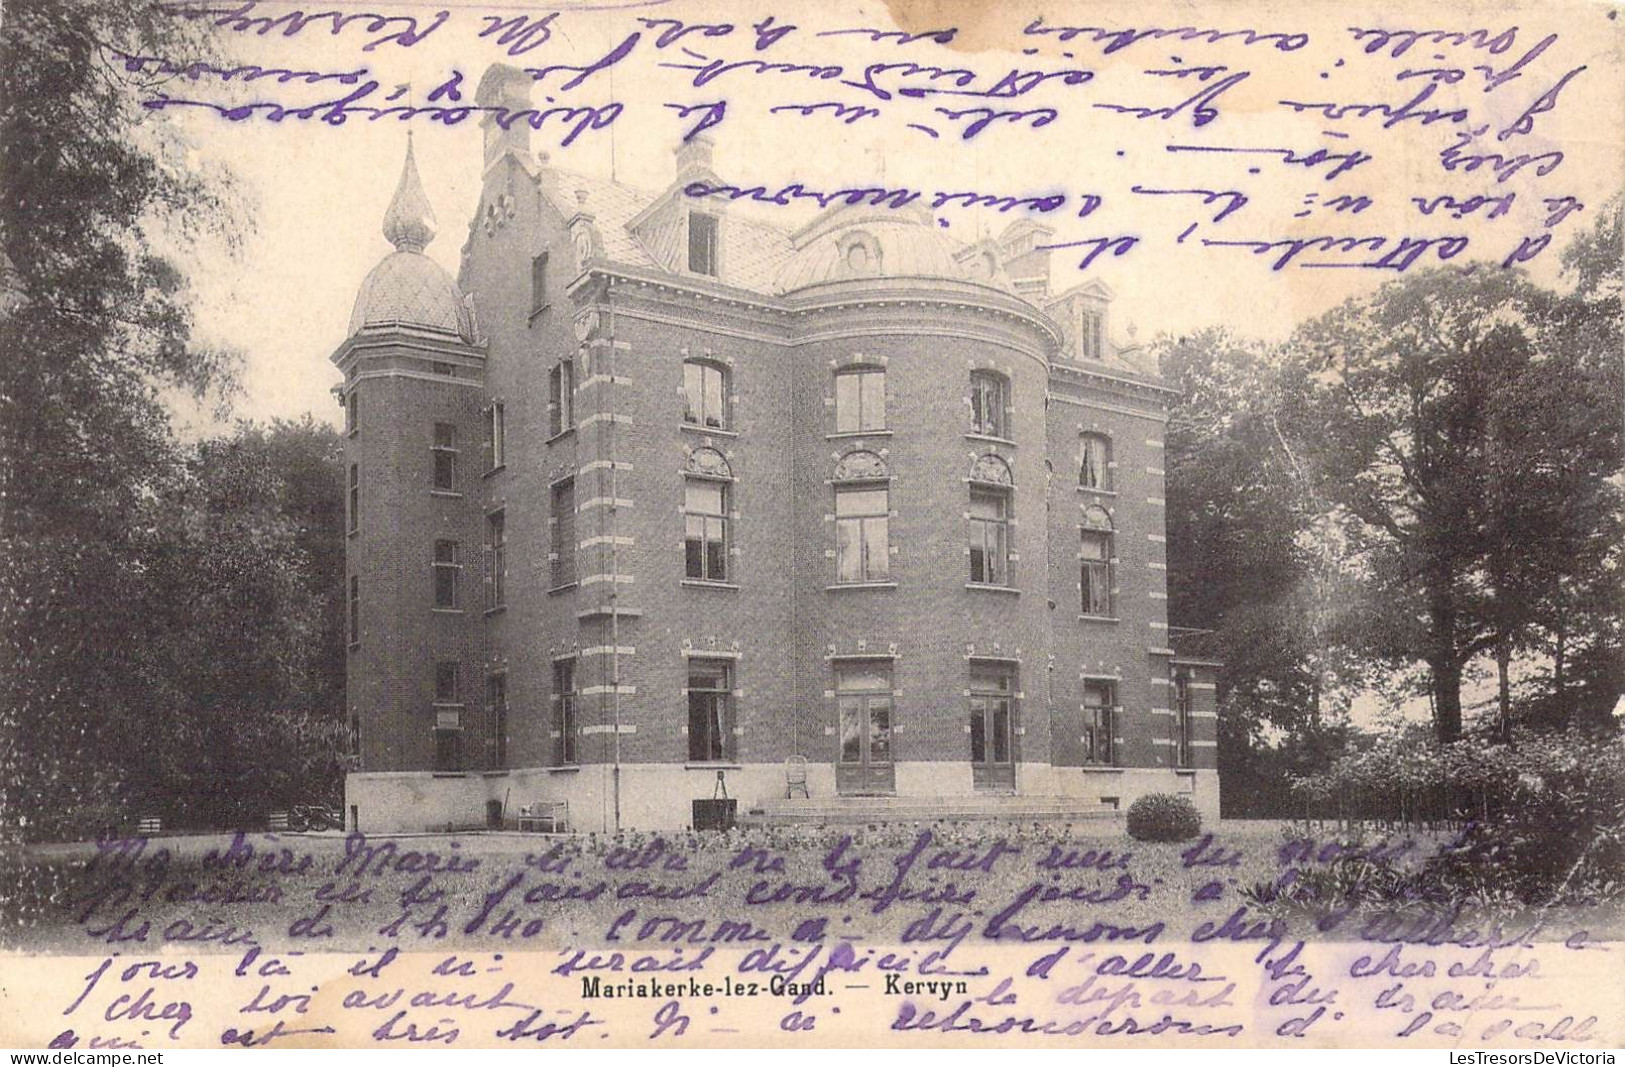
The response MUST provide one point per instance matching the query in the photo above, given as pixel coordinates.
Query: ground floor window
(1100, 722)
(710, 711)
(448, 750)
(564, 712)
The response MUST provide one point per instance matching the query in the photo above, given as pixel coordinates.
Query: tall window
(355, 611)
(448, 750)
(990, 536)
(561, 388)
(710, 711)
(991, 691)
(702, 243)
(988, 398)
(496, 537)
(1099, 722)
(1092, 335)
(1095, 562)
(496, 697)
(563, 555)
(1183, 755)
(705, 529)
(705, 395)
(862, 515)
(445, 457)
(448, 734)
(352, 411)
(564, 712)
(498, 436)
(538, 283)
(448, 573)
(860, 400)
(1094, 467)
(864, 702)
(355, 497)
(448, 682)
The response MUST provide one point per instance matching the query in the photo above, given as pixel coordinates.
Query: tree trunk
(1503, 663)
(1444, 663)
(1560, 698)
(1446, 699)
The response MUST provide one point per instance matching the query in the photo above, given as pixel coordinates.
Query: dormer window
(1092, 335)
(702, 243)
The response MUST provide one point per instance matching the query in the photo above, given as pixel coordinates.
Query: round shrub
(1163, 817)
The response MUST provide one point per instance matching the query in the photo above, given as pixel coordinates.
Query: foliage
(1240, 539)
(222, 684)
(1543, 817)
(172, 631)
(1469, 453)
(1163, 817)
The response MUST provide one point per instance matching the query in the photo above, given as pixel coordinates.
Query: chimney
(694, 158)
(507, 88)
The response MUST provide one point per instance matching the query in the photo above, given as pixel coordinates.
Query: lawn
(932, 886)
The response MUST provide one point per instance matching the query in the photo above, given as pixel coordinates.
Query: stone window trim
(563, 713)
(353, 501)
(561, 390)
(447, 570)
(708, 467)
(718, 708)
(697, 392)
(1097, 473)
(860, 368)
(990, 519)
(1102, 721)
(496, 426)
(856, 472)
(990, 400)
(443, 449)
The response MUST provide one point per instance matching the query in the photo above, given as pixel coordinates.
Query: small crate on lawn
(149, 825)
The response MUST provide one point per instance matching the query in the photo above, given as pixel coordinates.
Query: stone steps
(848, 811)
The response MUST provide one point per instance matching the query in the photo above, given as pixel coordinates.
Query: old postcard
(935, 524)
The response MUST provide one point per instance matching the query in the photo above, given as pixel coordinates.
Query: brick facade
(779, 627)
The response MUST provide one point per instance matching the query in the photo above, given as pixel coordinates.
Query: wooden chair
(795, 777)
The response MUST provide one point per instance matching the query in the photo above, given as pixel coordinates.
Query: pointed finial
(409, 224)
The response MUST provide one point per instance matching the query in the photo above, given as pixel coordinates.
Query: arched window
(1095, 562)
(705, 394)
(989, 397)
(862, 518)
(706, 486)
(1095, 462)
(990, 507)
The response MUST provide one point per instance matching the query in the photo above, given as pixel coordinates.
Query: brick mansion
(656, 500)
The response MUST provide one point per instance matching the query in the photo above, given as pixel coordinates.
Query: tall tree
(1462, 443)
(1251, 557)
(95, 323)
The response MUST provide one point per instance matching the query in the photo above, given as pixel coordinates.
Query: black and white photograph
(711, 524)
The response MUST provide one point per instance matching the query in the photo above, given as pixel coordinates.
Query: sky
(317, 193)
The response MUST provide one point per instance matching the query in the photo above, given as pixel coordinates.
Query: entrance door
(863, 697)
(992, 741)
